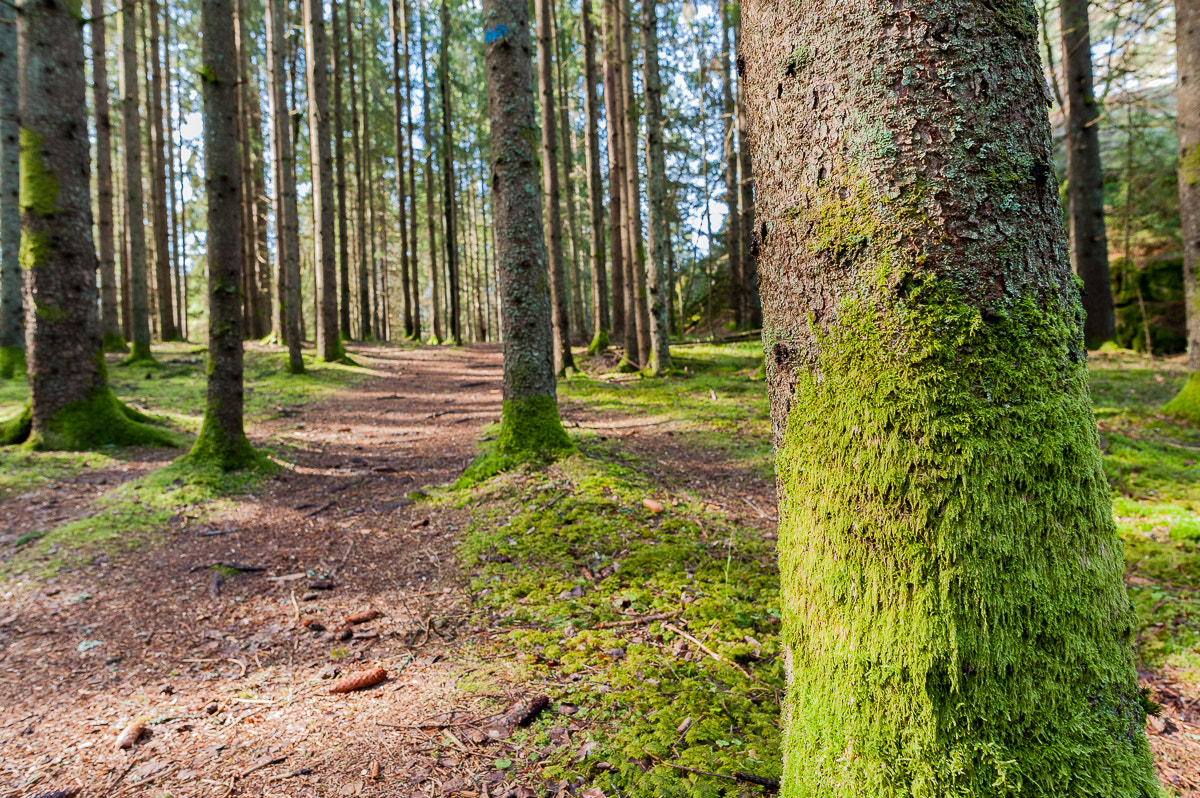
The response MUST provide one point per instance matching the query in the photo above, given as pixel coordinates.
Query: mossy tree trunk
(222, 439)
(71, 404)
(530, 427)
(12, 334)
(329, 344)
(1085, 180)
(110, 329)
(400, 98)
(287, 220)
(1187, 50)
(595, 186)
(657, 282)
(560, 320)
(954, 617)
(135, 228)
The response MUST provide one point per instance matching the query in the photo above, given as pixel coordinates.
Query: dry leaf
(653, 506)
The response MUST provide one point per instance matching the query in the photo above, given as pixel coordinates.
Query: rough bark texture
(287, 220)
(71, 404)
(591, 109)
(1187, 48)
(748, 241)
(733, 242)
(414, 262)
(12, 336)
(568, 169)
(636, 250)
(329, 345)
(558, 283)
(360, 188)
(656, 172)
(530, 427)
(448, 200)
(222, 440)
(245, 143)
(172, 184)
(158, 182)
(954, 617)
(110, 329)
(430, 218)
(1085, 180)
(339, 158)
(616, 157)
(135, 229)
(399, 26)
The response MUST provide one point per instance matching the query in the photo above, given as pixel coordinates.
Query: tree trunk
(222, 441)
(636, 250)
(568, 169)
(616, 172)
(747, 235)
(360, 188)
(558, 288)
(954, 617)
(172, 207)
(732, 230)
(399, 25)
(1187, 51)
(329, 345)
(339, 155)
(158, 182)
(287, 222)
(1085, 180)
(12, 333)
(600, 314)
(448, 203)
(135, 227)
(71, 406)
(250, 298)
(530, 427)
(656, 279)
(110, 329)
(430, 218)
(414, 262)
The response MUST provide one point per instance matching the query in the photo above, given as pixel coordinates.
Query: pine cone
(362, 617)
(65, 792)
(358, 681)
(525, 715)
(130, 734)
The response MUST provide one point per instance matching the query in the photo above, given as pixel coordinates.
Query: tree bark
(1085, 180)
(158, 182)
(732, 229)
(954, 616)
(339, 155)
(71, 406)
(656, 280)
(636, 250)
(399, 25)
(12, 333)
(568, 169)
(1187, 51)
(134, 221)
(172, 207)
(430, 217)
(110, 324)
(329, 345)
(287, 221)
(414, 261)
(250, 297)
(530, 427)
(360, 188)
(222, 440)
(448, 204)
(616, 171)
(747, 235)
(600, 312)
(560, 321)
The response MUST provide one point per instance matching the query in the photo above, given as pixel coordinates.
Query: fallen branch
(658, 616)
(275, 760)
(709, 651)
(320, 509)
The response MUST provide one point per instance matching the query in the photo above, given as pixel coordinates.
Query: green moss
(34, 247)
(216, 447)
(1189, 166)
(139, 354)
(23, 470)
(15, 426)
(114, 343)
(530, 432)
(12, 362)
(599, 342)
(39, 186)
(1186, 404)
(101, 420)
(49, 313)
(953, 604)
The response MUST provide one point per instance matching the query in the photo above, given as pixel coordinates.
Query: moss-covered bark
(530, 432)
(954, 617)
(12, 332)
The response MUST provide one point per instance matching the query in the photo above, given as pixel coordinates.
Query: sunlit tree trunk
(172, 182)
(729, 118)
(110, 325)
(250, 296)
(1085, 180)
(616, 176)
(135, 229)
(399, 26)
(954, 616)
(430, 191)
(656, 277)
(360, 186)
(591, 109)
(636, 250)
(453, 286)
(568, 169)
(339, 159)
(748, 243)
(12, 333)
(158, 181)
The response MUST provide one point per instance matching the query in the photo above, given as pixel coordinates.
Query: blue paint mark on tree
(495, 33)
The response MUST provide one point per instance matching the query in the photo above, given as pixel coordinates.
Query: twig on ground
(320, 509)
(709, 651)
(760, 512)
(738, 776)
(262, 764)
(657, 616)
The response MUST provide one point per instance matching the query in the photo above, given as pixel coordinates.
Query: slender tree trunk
(12, 333)
(453, 283)
(732, 231)
(568, 168)
(748, 236)
(360, 187)
(287, 222)
(1187, 52)
(134, 221)
(430, 217)
(250, 298)
(946, 544)
(260, 269)
(656, 168)
(148, 172)
(173, 208)
(558, 288)
(399, 26)
(636, 267)
(158, 182)
(110, 330)
(616, 171)
(329, 346)
(414, 261)
(371, 294)
(600, 315)
(126, 296)
(1085, 180)
(222, 440)
(530, 427)
(339, 155)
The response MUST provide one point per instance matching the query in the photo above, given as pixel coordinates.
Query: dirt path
(229, 670)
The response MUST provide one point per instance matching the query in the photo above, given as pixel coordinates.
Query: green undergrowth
(138, 512)
(22, 470)
(555, 554)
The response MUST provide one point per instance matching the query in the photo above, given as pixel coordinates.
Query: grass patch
(22, 470)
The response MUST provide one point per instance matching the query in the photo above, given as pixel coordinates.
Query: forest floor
(632, 584)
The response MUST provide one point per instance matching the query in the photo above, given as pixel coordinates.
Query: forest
(600, 398)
